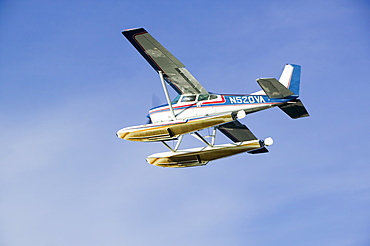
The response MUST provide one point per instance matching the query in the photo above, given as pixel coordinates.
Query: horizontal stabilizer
(295, 109)
(236, 131)
(273, 88)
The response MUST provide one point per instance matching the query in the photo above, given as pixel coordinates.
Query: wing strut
(179, 140)
(200, 137)
(167, 95)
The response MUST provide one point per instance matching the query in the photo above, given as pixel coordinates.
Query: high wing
(174, 72)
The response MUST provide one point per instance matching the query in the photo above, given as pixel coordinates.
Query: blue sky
(69, 80)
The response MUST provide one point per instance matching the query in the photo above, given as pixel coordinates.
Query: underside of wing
(174, 72)
(236, 131)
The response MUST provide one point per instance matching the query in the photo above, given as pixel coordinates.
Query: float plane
(195, 109)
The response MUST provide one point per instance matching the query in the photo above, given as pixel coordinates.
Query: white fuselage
(214, 105)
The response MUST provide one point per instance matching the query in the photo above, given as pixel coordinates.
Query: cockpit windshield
(193, 98)
(177, 98)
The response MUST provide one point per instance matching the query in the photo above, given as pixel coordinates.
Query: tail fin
(291, 78)
(287, 85)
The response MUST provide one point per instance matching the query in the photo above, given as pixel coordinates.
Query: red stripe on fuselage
(166, 108)
(220, 106)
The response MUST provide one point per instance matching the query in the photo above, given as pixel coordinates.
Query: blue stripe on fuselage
(254, 99)
(229, 100)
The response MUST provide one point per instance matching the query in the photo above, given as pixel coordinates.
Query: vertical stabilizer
(291, 77)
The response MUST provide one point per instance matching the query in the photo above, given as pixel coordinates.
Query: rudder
(291, 77)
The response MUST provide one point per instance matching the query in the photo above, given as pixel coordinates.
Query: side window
(188, 98)
(213, 97)
(203, 97)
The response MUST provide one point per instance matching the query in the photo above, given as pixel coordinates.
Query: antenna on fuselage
(167, 95)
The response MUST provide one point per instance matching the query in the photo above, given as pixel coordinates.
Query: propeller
(156, 101)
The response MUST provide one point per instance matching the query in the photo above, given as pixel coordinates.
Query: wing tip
(133, 30)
